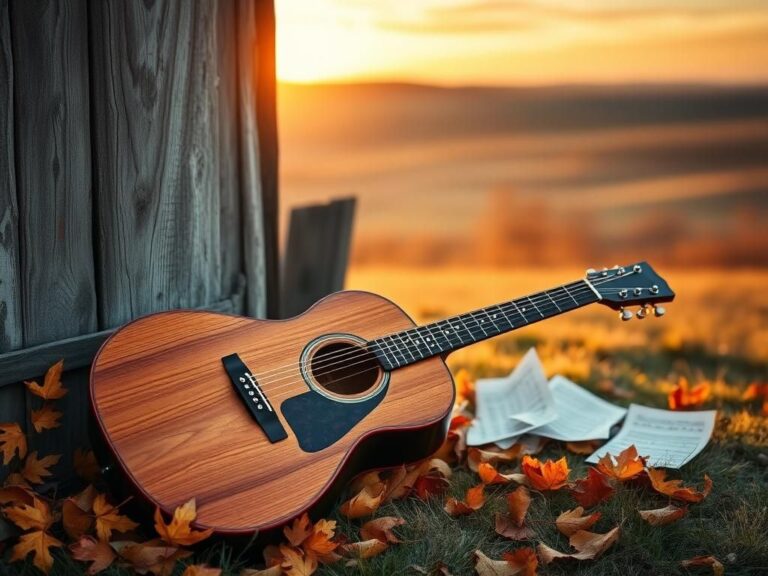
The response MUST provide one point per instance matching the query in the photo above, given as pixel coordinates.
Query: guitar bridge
(254, 398)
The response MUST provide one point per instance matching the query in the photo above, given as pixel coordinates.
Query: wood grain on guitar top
(168, 410)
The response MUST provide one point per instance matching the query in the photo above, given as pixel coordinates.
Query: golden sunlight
(509, 42)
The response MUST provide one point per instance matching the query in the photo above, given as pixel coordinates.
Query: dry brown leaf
(179, 532)
(77, 516)
(396, 486)
(47, 418)
(12, 440)
(593, 489)
(364, 549)
(108, 519)
(518, 502)
(153, 556)
(16, 479)
(16, 495)
(37, 543)
(365, 502)
(663, 516)
(35, 516)
(201, 570)
(628, 464)
(514, 564)
(86, 466)
(438, 569)
(98, 553)
(588, 546)
(474, 500)
(51, 388)
(319, 543)
(298, 531)
(571, 521)
(549, 475)
(367, 479)
(584, 447)
(506, 527)
(381, 529)
(296, 562)
(675, 489)
(35, 470)
(717, 567)
(476, 456)
(276, 570)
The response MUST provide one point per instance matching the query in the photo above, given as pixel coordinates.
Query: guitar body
(177, 427)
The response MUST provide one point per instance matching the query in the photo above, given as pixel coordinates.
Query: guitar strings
(359, 353)
(582, 289)
(546, 299)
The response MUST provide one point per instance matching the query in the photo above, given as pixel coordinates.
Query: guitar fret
(553, 301)
(479, 324)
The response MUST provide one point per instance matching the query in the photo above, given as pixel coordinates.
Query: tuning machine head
(659, 311)
(625, 314)
(642, 312)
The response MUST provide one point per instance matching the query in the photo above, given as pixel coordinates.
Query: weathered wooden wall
(135, 176)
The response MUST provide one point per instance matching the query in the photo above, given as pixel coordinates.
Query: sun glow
(476, 41)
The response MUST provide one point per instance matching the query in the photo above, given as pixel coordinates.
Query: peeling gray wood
(53, 161)
(156, 125)
(229, 183)
(317, 253)
(10, 295)
(266, 108)
(254, 248)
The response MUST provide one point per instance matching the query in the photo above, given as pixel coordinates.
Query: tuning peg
(641, 313)
(659, 311)
(625, 314)
(590, 271)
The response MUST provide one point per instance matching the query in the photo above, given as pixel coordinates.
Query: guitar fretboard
(409, 346)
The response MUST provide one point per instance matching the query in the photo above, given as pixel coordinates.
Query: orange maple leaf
(35, 470)
(755, 391)
(474, 500)
(628, 464)
(97, 552)
(12, 440)
(593, 489)
(298, 531)
(675, 489)
(38, 543)
(47, 418)
(108, 519)
(584, 447)
(684, 397)
(200, 570)
(51, 388)
(549, 475)
(365, 502)
(320, 543)
(33, 516)
(489, 475)
(179, 532)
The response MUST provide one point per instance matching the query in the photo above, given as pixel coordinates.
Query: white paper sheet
(508, 407)
(669, 439)
(580, 414)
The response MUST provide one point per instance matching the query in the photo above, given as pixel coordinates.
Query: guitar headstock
(636, 284)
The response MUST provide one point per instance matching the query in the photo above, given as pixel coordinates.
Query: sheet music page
(508, 407)
(669, 439)
(580, 414)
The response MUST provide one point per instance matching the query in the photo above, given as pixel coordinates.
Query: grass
(639, 362)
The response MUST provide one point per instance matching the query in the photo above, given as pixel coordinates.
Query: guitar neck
(442, 337)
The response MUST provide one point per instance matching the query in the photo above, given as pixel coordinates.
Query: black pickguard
(318, 421)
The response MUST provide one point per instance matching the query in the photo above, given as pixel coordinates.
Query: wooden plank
(268, 147)
(53, 168)
(229, 183)
(53, 182)
(317, 253)
(157, 165)
(254, 249)
(10, 295)
(80, 350)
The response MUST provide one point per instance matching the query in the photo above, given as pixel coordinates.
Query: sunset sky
(508, 42)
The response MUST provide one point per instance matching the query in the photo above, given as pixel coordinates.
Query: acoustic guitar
(262, 420)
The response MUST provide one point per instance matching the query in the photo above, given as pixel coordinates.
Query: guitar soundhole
(345, 369)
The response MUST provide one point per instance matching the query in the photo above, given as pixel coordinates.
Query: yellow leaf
(47, 418)
(179, 532)
(12, 440)
(36, 516)
(296, 563)
(51, 388)
(108, 519)
(38, 543)
(35, 470)
(98, 553)
(298, 531)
